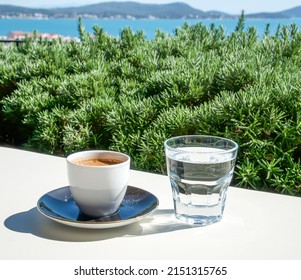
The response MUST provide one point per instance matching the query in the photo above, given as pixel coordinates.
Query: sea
(113, 27)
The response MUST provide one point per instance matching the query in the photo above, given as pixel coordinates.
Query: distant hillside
(290, 13)
(134, 10)
(115, 10)
(10, 10)
(267, 15)
(294, 12)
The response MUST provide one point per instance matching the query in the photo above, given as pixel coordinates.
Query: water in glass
(200, 177)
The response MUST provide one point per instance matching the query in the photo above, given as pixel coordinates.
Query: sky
(228, 6)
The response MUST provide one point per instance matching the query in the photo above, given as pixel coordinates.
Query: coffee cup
(98, 180)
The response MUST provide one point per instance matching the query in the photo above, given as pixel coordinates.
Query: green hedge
(129, 94)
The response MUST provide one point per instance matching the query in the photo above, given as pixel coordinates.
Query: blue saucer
(60, 206)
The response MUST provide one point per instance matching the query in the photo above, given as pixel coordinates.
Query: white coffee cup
(98, 190)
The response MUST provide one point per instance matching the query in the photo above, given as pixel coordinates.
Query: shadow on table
(34, 223)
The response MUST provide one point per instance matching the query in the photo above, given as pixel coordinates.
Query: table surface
(256, 225)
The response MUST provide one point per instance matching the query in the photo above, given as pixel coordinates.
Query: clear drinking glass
(200, 169)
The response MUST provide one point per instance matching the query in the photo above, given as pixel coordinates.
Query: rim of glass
(202, 136)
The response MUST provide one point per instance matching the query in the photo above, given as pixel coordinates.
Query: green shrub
(129, 94)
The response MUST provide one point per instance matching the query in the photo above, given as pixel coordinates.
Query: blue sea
(68, 27)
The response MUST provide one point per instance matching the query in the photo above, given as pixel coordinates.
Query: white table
(256, 225)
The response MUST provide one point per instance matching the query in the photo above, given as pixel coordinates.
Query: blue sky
(230, 6)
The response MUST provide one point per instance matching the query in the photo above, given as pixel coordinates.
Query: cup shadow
(33, 222)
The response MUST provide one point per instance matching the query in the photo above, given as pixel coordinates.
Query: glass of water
(200, 169)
